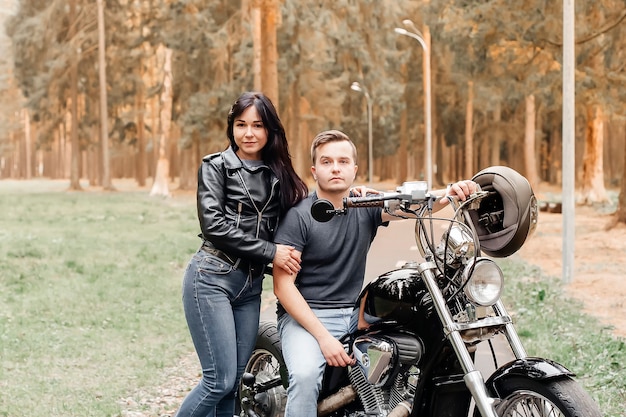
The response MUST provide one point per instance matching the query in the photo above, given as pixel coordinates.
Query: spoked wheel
(529, 398)
(261, 392)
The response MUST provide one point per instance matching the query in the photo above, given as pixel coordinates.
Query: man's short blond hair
(328, 136)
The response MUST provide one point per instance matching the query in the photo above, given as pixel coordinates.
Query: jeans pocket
(213, 265)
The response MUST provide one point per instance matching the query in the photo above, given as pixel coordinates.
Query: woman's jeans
(304, 358)
(222, 310)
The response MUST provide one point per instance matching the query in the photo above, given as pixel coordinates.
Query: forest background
(172, 69)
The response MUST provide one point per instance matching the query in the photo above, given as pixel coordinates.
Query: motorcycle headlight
(484, 281)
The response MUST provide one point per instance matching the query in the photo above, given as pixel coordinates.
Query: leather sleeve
(215, 227)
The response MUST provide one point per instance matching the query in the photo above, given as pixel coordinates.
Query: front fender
(532, 368)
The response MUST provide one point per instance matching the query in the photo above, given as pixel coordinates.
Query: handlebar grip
(374, 201)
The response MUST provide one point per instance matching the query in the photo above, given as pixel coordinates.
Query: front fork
(472, 377)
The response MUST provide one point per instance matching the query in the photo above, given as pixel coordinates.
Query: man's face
(334, 167)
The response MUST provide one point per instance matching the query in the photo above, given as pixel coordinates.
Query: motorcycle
(416, 356)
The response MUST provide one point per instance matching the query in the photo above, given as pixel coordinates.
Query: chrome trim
(375, 357)
(485, 322)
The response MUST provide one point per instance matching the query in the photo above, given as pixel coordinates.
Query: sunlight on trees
(304, 54)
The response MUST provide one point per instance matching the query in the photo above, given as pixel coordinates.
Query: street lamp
(417, 35)
(370, 156)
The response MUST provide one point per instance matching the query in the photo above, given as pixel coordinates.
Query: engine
(386, 373)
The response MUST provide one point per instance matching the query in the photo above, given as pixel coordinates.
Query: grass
(90, 307)
(89, 298)
(553, 326)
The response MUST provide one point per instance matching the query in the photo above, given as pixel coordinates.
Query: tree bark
(104, 115)
(75, 151)
(257, 45)
(265, 17)
(593, 190)
(269, 69)
(494, 156)
(529, 142)
(141, 167)
(403, 148)
(28, 144)
(160, 186)
(469, 140)
(620, 215)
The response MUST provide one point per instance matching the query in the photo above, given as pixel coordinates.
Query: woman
(242, 193)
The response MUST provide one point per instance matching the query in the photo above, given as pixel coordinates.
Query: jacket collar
(232, 161)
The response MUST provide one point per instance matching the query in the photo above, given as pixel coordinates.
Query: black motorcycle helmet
(508, 216)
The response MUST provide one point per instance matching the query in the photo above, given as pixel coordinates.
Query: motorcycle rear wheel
(266, 364)
(523, 397)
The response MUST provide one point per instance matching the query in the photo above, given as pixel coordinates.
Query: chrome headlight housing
(483, 282)
(456, 243)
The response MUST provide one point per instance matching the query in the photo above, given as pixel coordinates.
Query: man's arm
(292, 301)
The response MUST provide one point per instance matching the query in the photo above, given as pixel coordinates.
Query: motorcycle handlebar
(322, 210)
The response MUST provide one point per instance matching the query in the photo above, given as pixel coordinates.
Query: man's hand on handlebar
(462, 189)
(363, 191)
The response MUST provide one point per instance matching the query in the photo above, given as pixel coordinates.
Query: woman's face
(250, 134)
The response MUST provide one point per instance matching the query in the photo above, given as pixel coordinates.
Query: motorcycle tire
(266, 363)
(543, 398)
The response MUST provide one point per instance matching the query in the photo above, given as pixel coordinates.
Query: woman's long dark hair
(276, 152)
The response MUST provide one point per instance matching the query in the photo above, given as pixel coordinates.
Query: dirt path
(599, 262)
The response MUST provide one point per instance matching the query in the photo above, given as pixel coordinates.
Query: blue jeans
(305, 360)
(222, 311)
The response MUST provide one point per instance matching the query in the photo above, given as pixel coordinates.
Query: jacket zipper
(259, 212)
(239, 210)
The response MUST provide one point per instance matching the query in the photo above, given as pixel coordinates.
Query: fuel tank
(398, 296)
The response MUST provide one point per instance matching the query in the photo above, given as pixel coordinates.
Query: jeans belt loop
(235, 263)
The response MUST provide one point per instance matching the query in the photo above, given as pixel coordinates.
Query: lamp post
(370, 156)
(425, 44)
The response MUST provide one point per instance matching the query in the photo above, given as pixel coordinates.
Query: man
(316, 304)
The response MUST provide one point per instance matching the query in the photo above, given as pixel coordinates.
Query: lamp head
(356, 86)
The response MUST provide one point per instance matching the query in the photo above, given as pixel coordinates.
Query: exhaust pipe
(403, 409)
(342, 397)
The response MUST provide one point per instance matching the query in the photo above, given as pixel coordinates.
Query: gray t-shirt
(333, 253)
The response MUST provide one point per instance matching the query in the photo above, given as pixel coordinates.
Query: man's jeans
(305, 360)
(222, 310)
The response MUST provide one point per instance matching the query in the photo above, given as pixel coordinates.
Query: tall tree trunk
(104, 115)
(469, 137)
(141, 166)
(28, 144)
(556, 147)
(75, 151)
(270, 50)
(494, 156)
(62, 169)
(257, 44)
(402, 150)
(297, 143)
(265, 17)
(161, 177)
(593, 190)
(305, 136)
(529, 142)
(620, 215)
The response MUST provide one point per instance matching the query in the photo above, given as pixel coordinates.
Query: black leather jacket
(238, 207)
